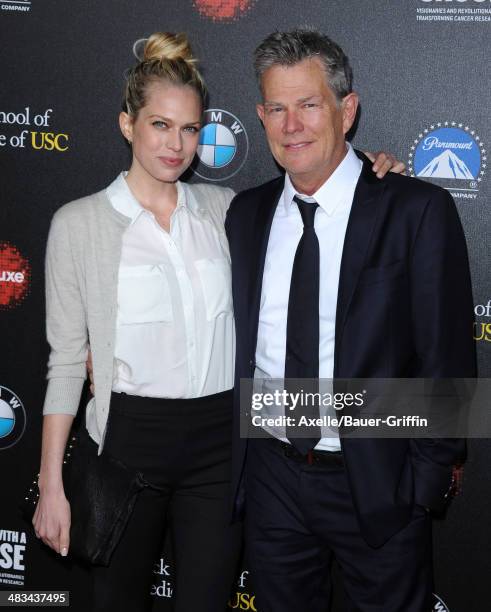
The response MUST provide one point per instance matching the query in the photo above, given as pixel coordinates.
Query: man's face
(305, 124)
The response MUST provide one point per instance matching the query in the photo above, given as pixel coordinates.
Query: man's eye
(309, 105)
(274, 109)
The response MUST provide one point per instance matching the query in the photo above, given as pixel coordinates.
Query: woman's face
(165, 133)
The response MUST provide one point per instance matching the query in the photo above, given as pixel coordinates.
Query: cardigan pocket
(143, 295)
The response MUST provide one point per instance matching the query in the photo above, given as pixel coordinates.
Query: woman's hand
(52, 517)
(51, 520)
(385, 162)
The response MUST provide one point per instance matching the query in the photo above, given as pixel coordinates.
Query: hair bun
(167, 58)
(168, 46)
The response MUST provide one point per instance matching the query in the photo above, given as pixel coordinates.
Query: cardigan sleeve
(66, 326)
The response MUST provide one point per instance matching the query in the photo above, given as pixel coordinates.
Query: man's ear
(260, 111)
(126, 126)
(349, 106)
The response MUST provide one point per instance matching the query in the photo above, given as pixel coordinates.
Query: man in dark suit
(337, 274)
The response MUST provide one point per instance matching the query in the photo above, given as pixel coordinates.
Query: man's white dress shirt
(334, 197)
(175, 334)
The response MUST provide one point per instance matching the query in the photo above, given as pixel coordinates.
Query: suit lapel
(266, 206)
(358, 235)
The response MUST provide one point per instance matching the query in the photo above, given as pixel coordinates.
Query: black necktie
(302, 329)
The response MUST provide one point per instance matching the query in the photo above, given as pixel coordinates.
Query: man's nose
(292, 122)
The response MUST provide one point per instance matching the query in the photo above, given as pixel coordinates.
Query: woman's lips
(172, 162)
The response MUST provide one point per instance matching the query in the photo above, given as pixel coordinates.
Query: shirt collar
(123, 200)
(337, 191)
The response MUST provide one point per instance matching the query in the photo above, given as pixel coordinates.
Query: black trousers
(299, 516)
(183, 448)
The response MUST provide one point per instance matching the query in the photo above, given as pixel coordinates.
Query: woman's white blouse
(175, 332)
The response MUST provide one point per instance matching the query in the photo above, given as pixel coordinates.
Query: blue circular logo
(12, 418)
(217, 145)
(7, 419)
(450, 154)
(223, 146)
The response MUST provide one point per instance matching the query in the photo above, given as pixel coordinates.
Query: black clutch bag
(102, 492)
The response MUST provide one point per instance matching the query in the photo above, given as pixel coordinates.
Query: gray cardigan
(82, 264)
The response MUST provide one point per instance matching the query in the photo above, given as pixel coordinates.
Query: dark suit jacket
(404, 309)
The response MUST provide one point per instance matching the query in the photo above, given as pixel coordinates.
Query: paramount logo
(446, 165)
(434, 142)
(452, 155)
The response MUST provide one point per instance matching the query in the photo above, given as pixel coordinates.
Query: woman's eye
(159, 124)
(191, 129)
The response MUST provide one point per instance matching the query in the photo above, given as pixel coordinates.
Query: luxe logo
(15, 276)
(12, 277)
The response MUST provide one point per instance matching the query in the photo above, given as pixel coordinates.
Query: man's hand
(385, 162)
(90, 370)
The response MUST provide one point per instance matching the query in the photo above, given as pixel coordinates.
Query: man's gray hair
(289, 48)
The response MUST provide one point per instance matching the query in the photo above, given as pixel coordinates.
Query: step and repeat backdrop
(422, 71)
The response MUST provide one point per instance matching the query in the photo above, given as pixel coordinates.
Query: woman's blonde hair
(167, 57)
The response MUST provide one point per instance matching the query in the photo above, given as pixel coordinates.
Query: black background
(71, 57)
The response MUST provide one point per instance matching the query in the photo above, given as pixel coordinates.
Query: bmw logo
(12, 418)
(223, 146)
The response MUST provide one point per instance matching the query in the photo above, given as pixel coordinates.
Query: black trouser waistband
(136, 404)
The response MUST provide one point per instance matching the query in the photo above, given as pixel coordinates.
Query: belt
(313, 457)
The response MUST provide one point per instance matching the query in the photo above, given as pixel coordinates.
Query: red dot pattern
(223, 10)
(13, 292)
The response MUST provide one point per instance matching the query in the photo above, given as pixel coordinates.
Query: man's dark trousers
(300, 515)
